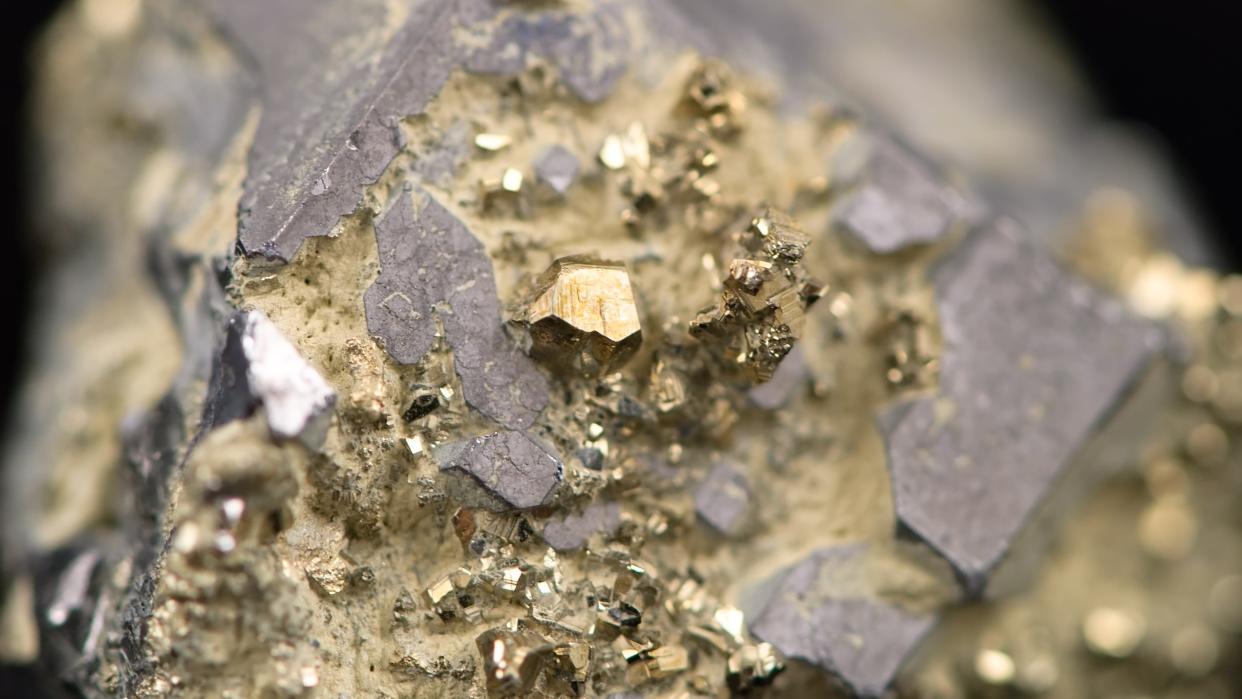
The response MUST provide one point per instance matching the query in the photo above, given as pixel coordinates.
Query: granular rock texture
(427, 348)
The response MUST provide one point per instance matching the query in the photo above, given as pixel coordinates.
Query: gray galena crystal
(900, 201)
(572, 531)
(506, 470)
(430, 263)
(722, 500)
(1034, 363)
(825, 610)
(556, 168)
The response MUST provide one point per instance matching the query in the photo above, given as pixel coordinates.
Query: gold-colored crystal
(584, 310)
(761, 311)
(512, 659)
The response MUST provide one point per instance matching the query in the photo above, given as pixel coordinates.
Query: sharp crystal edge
(901, 200)
(430, 260)
(333, 82)
(722, 500)
(330, 124)
(514, 470)
(572, 531)
(1035, 361)
(826, 611)
(557, 168)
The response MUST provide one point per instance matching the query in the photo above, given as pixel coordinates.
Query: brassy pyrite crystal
(430, 348)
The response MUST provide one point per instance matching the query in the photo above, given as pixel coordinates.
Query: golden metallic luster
(779, 236)
(753, 665)
(711, 96)
(439, 590)
(764, 298)
(584, 311)
(907, 345)
(668, 660)
(512, 659)
(630, 147)
(504, 193)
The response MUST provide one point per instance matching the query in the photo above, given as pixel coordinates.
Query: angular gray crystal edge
(901, 200)
(507, 470)
(430, 263)
(843, 628)
(722, 499)
(572, 531)
(1034, 363)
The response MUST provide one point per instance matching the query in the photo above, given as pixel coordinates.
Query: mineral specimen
(275, 204)
(900, 202)
(722, 500)
(430, 260)
(762, 309)
(828, 610)
(572, 531)
(556, 168)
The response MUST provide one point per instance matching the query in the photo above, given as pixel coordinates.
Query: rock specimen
(465, 348)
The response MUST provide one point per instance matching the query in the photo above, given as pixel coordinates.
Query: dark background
(1172, 66)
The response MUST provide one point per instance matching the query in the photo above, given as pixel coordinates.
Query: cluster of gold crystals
(670, 173)
(714, 100)
(762, 308)
(583, 311)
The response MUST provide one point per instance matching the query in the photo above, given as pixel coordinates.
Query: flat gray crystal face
(259, 367)
(900, 200)
(431, 264)
(590, 49)
(556, 168)
(825, 611)
(1034, 362)
(335, 84)
(571, 532)
(513, 471)
(722, 500)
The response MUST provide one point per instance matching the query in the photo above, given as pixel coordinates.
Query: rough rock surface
(313, 164)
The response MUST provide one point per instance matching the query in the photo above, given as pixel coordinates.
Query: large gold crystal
(583, 310)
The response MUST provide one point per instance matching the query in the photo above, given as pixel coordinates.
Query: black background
(1173, 66)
